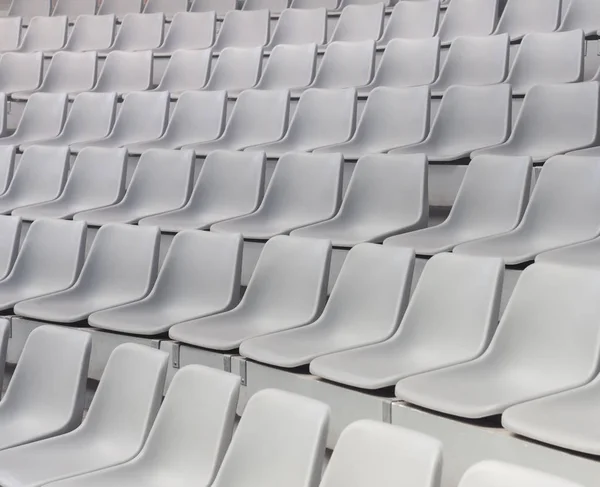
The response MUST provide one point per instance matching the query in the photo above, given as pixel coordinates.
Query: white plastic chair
(359, 23)
(139, 32)
(74, 8)
(304, 189)
(472, 18)
(584, 254)
(169, 8)
(322, 118)
(53, 403)
(10, 238)
(554, 119)
(293, 432)
(392, 117)
(92, 33)
(363, 454)
(490, 201)
(45, 34)
(310, 4)
(162, 181)
(298, 27)
(120, 8)
(10, 33)
(521, 17)
(444, 324)
(7, 166)
(494, 474)
(230, 185)
(20, 71)
(189, 30)
(199, 277)
(27, 9)
(258, 117)
(248, 28)
(411, 20)
(125, 72)
(345, 3)
(386, 195)
(469, 118)
(286, 290)
(289, 67)
(5, 332)
(116, 426)
(365, 307)
(474, 61)
(143, 117)
(189, 437)
(548, 59)
(120, 268)
(274, 6)
(406, 62)
(220, 7)
(581, 14)
(197, 117)
(236, 70)
(96, 180)
(186, 70)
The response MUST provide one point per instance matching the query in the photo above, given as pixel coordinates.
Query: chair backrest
(27, 9)
(126, 72)
(236, 69)
(21, 71)
(120, 7)
(468, 18)
(190, 30)
(51, 375)
(10, 33)
(5, 331)
(194, 425)
(274, 6)
(359, 23)
(277, 429)
(248, 28)
(289, 67)
(345, 3)
(346, 65)
(310, 4)
(581, 14)
(296, 27)
(522, 17)
(167, 7)
(43, 117)
(140, 32)
(289, 282)
(548, 59)
(186, 70)
(45, 34)
(10, 237)
(371, 451)
(80, 127)
(92, 33)
(74, 8)
(3, 114)
(412, 20)
(7, 165)
(127, 399)
(71, 72)
(143, 116)
(220, 7)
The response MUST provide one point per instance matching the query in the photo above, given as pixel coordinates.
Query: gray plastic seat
(199, 277)
(27, 9)
(386, 195)
(162, 181)
(293, 435)
(52, 404)
(10, 237)
(469, 118)
(450, 319)
(125, 72)
(49, 261)
(7, 166)
(365, 307)
(80, 126)
(299, 26)
(274, 6)
(230, 185)
(39, 177)
(69, 72)
(474, 61)
(554, 119)
(345, 65)
(220, 7)
(97, 179)
(392, 117)
(189, 437)
(583, 254)
(189, 30)
(411, 20)
(561, 212)
(20, 72)
(258, 117)
(359, 23)
(406, 62)
(248, 28)
(169, 8)
(120, 268)
(120, 8)
(186, 70)
(472, 18)
(139, 32)
(489, 473)
(43, 118)
(143, 117)
(545, 343)
(115, 428)
(4, 108)
(521, 17)
(197, 117)
(490, 201)
(10, 33)
(286, 290)
(581, 14)
(289, 67)
(548, 59)
(92, 33)
(45, 34)
(236, 70)
(74, 8)
(362, 455)
(304, 189)
(345, 3)
(322, 118)
(310, 4)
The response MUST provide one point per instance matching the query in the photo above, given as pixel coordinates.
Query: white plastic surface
(186, 70)
(249, 28)
(27, 9)
(120, 7)
(139, 32)
(411, 20)
(359, 23)
(498, 474)
(10, 236)
(189, 30)
(473, 18)
(235, 70)
(92, 33)
(289, 68)
(581, 14)
(298, 27)
(220, 7)
(125, 72)
(522, 17)
(20, 71)
(74, 8)
(45, 34)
